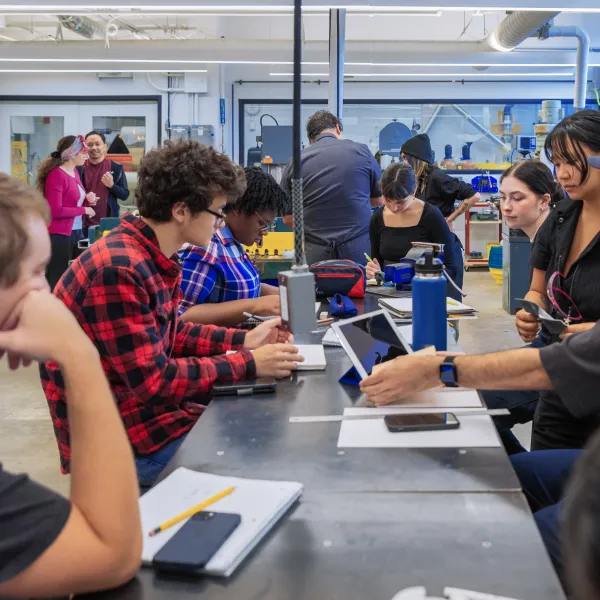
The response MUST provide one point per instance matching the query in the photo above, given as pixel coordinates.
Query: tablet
(370, 339)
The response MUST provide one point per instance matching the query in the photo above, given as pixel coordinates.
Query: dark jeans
(522, 405)
(354, 249)
(543, 476)
(149, 467)
(61, 246)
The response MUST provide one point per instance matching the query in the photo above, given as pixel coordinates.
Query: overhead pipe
(516, 28)
(583, 53)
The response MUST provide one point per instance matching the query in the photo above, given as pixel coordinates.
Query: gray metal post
(337, 50)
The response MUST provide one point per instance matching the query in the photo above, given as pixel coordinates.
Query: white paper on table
(314, 357)
(474, 432)
(440, 398)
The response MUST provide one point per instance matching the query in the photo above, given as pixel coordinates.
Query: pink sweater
(63, 194)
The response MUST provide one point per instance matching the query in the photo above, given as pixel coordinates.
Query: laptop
(370, 339)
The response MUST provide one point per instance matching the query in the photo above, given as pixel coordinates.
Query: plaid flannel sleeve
(206, 340)
(198, 279)
(124, 328)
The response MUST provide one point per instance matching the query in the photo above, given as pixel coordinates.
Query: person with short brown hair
(51, 546)
(125, 292)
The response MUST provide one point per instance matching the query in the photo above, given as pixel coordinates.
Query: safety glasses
(560, 300)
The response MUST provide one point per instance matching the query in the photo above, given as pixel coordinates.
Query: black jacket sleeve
(574, 370)
(120, 188)
(439, 233)
(375, 227)
(456, 188)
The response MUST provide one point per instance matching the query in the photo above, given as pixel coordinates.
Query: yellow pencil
(192, 511)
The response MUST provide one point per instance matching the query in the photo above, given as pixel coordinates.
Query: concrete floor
(27, 442)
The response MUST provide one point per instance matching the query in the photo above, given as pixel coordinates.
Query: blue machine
(391, 138)
(485, 184)
(402, 273)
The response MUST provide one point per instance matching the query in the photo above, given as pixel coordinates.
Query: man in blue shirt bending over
(340, 181)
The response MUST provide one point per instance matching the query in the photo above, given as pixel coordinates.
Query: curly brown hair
(17, 202)
(185, 171)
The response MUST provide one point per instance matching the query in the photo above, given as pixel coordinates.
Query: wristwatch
(448, 372)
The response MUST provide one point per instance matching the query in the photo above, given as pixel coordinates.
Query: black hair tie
(55, 154)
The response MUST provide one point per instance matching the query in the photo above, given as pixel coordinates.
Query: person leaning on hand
(51, 546)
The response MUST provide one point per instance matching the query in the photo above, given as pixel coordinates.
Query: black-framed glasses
(219, 216)
(265, 226)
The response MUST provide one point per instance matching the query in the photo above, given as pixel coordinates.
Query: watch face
(448, 374)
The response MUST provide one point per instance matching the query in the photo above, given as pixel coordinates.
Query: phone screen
(419, 421)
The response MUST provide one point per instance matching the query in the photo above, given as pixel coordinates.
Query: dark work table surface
(371, 546)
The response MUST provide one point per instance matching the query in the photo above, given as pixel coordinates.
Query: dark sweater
(392, 244)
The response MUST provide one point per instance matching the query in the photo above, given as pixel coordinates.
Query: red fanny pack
(340, 277)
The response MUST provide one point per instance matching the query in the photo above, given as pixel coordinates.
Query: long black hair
(566, 140)
(537, 177)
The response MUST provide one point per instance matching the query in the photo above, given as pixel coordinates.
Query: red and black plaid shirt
(124, 292)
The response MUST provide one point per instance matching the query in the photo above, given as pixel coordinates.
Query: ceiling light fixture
(102, 71)
(487, 74)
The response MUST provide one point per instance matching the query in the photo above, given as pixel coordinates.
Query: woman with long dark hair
(438, 188)
(566, 266)
(60, 183)
(404, 219)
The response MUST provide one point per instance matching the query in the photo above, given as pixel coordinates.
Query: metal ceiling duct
(516, 28)
(84, 26)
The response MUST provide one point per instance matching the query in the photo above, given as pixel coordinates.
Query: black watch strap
(448, 372)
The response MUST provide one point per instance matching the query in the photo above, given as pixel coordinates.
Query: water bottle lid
(427, 265)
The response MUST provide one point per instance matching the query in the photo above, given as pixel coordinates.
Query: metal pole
(337, 48)
(297, 197)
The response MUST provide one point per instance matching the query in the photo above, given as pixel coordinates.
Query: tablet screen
(373, 339)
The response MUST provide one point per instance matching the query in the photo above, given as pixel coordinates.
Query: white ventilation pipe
(583, 53)
(516, 28)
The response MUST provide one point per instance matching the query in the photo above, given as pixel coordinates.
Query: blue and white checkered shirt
(220, 273)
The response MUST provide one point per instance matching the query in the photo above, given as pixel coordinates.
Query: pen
(368, 257)
(192, 511)
(257, 318)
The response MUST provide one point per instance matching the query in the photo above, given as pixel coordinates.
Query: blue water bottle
(430, 326)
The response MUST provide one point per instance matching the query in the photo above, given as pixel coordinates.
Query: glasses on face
(265, 227)
(219, 216)
(560, 300)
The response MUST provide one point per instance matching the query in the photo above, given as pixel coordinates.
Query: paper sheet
(474, 432)
(404, 305)
(314, 357)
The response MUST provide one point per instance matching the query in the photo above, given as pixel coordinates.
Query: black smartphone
(554, 326)
(192, 547)
(262, 385)
(422, 422)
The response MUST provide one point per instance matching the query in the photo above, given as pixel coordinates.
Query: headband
(73, 150)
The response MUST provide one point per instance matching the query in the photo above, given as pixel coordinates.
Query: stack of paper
(260, 504)
(402, 308)
(314, 357)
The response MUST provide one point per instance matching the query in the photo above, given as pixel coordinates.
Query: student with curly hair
(220, 282)
(125, 292)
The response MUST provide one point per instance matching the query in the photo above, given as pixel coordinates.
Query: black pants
(62, 248)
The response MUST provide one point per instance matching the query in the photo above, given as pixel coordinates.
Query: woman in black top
(404, 219)
(438, 188)
(566, 265)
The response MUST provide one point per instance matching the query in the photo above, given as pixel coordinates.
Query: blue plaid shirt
(220, 273)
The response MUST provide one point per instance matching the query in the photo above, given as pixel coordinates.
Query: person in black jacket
(103, 176)
(438, 188)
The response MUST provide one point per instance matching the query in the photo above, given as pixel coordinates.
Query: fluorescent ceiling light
(537, 74)
(8, 39)
(100, 71)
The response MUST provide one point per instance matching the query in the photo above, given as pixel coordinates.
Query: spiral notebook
(260, 503)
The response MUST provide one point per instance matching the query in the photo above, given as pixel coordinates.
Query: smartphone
(422, 422)
(262, 385)
(554, 326)
(192, 547)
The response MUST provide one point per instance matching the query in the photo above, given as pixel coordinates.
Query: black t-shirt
(443, 191)
(31, 518)
(554, 425)
(392, 244)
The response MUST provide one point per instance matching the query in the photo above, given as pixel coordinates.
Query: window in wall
(32, 141)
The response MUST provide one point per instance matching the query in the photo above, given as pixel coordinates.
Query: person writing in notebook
(220, 282)
(125, 294)
(50, 545)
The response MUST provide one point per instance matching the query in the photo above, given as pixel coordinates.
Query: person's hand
(276, 360)
(108, 180)
(44, 330)
(372, 268)
(402, 377)
(451, 225)
(579, 328)
(89, 211)
(268, 332)
(267, 306)
(91, 198)
(528, 326)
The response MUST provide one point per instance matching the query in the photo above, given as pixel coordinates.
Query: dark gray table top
(370, 546)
